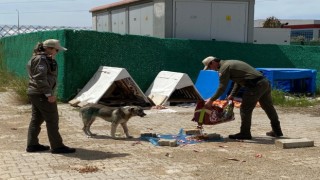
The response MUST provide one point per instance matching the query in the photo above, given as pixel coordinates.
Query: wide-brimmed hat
(53, 43)
(207, 61)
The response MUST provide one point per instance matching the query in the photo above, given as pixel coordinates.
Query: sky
(75, 13)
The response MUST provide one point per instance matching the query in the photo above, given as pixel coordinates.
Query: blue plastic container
(208, 82)
(292, 80)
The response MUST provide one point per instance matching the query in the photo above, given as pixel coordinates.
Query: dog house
(111, 86)
(221, 20)
(173, 87)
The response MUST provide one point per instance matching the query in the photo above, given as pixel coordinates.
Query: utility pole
(18, 21)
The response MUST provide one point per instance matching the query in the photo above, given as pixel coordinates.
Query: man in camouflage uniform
(256, 89)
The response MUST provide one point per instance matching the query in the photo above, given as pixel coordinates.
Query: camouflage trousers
(42, 110)
(261, 93)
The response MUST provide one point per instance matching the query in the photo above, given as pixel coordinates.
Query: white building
(309, 29)
(224, 20)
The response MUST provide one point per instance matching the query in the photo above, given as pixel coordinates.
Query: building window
(307, 34)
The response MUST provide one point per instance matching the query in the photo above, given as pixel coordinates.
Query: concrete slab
(148, 134)
(294, 143)
(167, 142)
(192, 131)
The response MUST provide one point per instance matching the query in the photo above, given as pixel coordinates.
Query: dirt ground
(105, 158)
(312, 111)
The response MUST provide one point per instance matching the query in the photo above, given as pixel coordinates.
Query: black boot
(37, 148)
(245, 129)
(272, 133)
(63, 150)
(240, 136)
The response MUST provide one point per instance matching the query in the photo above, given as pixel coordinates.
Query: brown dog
(111, 114)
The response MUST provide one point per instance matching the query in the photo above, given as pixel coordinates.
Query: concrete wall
(280, 36)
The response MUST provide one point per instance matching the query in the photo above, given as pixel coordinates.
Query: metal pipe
(18, 21)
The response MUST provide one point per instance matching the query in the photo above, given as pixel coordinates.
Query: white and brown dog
(116, 116)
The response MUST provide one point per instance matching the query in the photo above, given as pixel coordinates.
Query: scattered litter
(135, 143)
(181, 138)
(258, 155)
(237, 103)
(186, 105)
(159, 107)
(223, 146)
(234, 159)
(162, 111)
(86, 169)
(195, 150)
(169, 155)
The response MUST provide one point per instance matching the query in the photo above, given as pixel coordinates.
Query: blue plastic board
(208, 82)
(291, 79)
(181, 137)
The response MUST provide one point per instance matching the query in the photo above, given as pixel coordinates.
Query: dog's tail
(80, 114)
(82, 110)
(85, 110)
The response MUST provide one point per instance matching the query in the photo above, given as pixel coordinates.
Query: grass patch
(18, 84)
(5, 78)
(281, 98)
(318, 90)
(2, 89)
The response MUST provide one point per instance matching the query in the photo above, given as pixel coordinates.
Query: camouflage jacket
(239, 72)
(42, 72)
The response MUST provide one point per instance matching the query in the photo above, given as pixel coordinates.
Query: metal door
(103, 22)
(134, 20)
(141, 19)
(229, 21)
(147, 19)
(193, 20)
(118, 19)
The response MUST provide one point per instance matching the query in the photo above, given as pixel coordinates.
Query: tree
(272, 22)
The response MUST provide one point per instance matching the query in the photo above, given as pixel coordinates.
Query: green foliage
(297, 39)
(5, 78)
(272, 22)
(18, 84)
(318, 90)
(280, 98)
(315, 42)
(300, 40)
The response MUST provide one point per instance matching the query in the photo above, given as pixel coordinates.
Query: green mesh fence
(15, 52)
(144, 57)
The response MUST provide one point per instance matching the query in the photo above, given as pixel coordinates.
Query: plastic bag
(214, 115)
